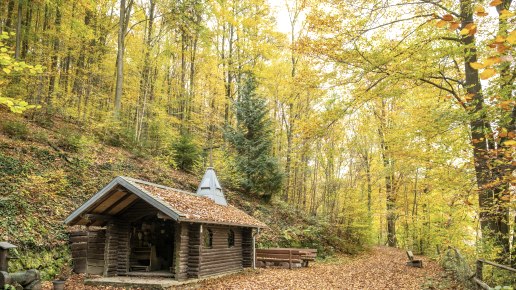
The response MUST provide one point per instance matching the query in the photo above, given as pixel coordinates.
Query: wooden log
(79, 254)
(481, 284)
(499, 266)
(25, 277)
(78, 233)
(78, 239)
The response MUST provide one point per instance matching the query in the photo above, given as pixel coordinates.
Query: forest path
(381, 268)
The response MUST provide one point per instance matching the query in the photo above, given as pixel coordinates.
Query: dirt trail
(382, 268)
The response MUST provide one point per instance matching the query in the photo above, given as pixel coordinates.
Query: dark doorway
(152, 245)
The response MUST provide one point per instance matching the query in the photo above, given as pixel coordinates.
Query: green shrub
(11, 166)
(73, 142)
(113, 135)
(40, 137)
(15, 129)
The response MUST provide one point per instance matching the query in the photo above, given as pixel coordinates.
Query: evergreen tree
(186, 152)
(251, 138)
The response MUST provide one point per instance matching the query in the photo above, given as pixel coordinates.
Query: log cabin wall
(181, 251)
(79, 245)
(88, 251)
(123, 234)
(194, 251)
(111, 250)
(220, 257)
(247, 247)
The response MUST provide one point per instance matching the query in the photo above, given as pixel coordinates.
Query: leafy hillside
(47, 171)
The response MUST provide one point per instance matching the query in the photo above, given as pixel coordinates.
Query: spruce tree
(251, 139)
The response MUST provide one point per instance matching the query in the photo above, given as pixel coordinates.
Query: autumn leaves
(500, 44)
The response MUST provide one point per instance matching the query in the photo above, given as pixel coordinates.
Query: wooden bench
(286, 255)
(412, 262)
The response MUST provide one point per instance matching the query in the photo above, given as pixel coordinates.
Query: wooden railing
(478, 278)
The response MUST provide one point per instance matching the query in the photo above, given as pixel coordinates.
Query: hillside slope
(48, 171)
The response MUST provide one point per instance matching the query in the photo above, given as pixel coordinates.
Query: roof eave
(135, 190)
(222, 223)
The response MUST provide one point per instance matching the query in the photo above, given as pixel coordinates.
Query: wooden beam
(163, 216)
(124, 197)
(97, 217)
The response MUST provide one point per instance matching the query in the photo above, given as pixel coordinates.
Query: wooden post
(254, 249)
(290, 259)
(478, 273)
(3, 260)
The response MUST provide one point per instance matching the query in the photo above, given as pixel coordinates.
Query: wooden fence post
(290, 259)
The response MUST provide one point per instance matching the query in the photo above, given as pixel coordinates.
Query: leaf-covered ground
(382, 268)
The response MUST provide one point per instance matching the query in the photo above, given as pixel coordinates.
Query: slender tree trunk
(145, 76)
(125, 13)
(54, 61)
(9, 18)
(26, 35)
(17, 50)
(388, 168)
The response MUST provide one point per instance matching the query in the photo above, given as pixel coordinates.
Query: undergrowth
(49, 169)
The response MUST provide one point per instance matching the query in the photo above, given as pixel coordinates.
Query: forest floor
(380, 268)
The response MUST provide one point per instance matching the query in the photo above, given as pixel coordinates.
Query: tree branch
(396, 21)
(455, 95)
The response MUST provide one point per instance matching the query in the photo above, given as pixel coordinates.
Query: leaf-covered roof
(192, 207)
(178, 204)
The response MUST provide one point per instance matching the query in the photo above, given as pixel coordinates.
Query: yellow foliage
(504, 14)
(441, 23)
(476, 65)
(511, 38)
(480, 11)
(487, 73)
(492, 60)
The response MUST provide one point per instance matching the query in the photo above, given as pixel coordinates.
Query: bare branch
(396, 21)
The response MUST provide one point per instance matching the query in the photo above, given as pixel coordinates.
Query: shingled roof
(179, 205)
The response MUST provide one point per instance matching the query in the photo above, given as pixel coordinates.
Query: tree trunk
(388, 168)
(17, 50)
(493, 216)
(145, 77)
(26, 38)
(54, 60)
(125, 13)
